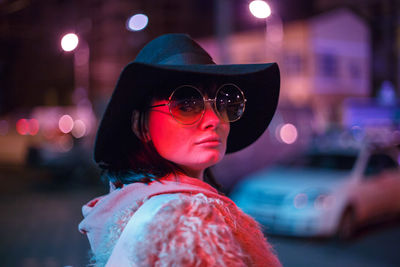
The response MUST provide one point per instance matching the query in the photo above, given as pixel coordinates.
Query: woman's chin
(199, 160)
(210, 154)
(209, 160)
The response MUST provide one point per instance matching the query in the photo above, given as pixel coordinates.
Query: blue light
(137, 22)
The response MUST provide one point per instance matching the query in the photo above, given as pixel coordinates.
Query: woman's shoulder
(179, 229)
(184, 229)
(174, 218)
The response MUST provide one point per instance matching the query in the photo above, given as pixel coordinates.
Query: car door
(390, 183)
(379, 188)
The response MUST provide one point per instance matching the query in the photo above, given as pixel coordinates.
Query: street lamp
(260, 9)
(80, 127)
(273, 28)
(137, 22)
(69, 42)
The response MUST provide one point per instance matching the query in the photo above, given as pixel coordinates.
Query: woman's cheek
(162, 134)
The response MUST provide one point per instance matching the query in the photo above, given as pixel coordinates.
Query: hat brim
(259, 82)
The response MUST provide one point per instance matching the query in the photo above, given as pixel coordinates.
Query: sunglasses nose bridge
(212, 105)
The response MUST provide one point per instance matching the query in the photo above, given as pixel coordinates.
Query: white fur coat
(177, 227)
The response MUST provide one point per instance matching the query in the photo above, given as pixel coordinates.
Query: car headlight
(324, 201)
(300, 201)
(314, 199)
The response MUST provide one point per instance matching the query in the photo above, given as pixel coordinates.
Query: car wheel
(347, 225)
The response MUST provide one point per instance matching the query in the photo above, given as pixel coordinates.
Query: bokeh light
(25, 126)
(137, 22)
(287, 133)
(22, 126)
(260, 9)
(79, 129)
(66, 124)
(69, 42)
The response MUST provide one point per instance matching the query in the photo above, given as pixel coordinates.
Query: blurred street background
(60, 60)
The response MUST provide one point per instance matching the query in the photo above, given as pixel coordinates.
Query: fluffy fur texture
(190, 231)
(197, 228)
(112, 232)
(196, 231)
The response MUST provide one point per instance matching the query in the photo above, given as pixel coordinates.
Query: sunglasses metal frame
(205, 100)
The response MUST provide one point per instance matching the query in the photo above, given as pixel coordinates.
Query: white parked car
(323, 193)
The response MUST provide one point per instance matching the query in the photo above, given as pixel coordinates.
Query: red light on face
(22, 126)
(33, 126)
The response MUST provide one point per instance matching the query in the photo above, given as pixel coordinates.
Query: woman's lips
(210, 141)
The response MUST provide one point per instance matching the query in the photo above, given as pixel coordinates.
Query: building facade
(323, 60)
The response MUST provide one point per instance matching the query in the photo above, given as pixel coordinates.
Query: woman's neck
(198, 174)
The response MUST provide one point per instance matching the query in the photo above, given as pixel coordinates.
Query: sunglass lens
(186, 104)
(230, 102)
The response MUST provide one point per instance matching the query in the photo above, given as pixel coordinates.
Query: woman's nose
(210, 118)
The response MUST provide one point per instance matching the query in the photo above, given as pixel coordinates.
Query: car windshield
(331, 161)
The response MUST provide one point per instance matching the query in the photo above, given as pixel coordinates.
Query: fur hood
(198, 227)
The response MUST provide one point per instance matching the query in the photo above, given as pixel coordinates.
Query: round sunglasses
(187, 104)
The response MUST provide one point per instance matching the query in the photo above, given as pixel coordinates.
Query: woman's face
(192, 147)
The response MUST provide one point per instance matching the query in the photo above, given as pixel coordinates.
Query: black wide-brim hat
(169, 61)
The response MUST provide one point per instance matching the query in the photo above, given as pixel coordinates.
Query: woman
(173, 114)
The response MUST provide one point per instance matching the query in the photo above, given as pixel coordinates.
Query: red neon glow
(22, 126)
(193, 147)
(65, 124)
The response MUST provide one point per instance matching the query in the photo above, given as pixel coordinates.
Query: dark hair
(144, 164)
